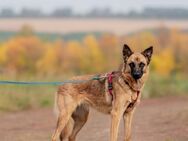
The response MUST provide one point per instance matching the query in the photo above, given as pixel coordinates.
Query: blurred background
(47, 40)
(52, 41)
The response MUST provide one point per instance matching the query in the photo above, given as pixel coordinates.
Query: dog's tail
(56, 110)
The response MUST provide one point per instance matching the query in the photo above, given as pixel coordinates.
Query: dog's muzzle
(137, 75)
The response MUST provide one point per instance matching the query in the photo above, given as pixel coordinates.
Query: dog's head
(136, 64)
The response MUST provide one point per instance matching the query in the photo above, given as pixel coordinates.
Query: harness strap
(137, 95)
(110, 85)
(137, 91)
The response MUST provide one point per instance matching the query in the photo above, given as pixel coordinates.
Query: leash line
(6, 82)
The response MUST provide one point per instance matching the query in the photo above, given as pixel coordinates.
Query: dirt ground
(161, 119)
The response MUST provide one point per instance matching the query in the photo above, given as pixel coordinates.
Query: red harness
(110, 85)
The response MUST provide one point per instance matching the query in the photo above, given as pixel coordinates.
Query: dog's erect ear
(126, 52)
(148, 53)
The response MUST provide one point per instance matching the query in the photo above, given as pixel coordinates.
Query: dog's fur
(73, 100)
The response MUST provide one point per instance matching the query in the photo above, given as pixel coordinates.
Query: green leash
(5, 82)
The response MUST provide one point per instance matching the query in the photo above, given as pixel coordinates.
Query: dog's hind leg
(67, 131)
(80, 117)
(66, 106)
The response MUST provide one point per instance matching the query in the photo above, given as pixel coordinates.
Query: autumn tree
(94, 61)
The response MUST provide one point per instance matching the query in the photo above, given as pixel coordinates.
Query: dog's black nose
(137, 75)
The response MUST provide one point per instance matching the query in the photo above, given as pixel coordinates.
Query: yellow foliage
(164, 62)
(28, 53)
(47, 64)
(74, 55)
(3, 56)
(95, 58)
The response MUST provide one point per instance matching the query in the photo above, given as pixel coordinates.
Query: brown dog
(116, 94)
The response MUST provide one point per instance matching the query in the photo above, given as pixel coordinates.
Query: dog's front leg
(127, 124)
(116, 116)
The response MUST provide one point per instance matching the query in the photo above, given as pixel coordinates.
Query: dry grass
(117, 26)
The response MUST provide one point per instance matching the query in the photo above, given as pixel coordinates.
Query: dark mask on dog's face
(136, 63)
(137, 69)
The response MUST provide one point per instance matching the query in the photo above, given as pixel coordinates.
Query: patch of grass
(13, 98)
(46, 101)
(22, 97)
(168, 139)
(158, 86)
(5, 35)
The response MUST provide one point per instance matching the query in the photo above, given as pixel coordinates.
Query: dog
(116, 93)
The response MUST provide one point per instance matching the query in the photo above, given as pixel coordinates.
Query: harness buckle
(110, 87)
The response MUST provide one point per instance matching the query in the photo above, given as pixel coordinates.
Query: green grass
(13, 98)
(23, 97)
(169, 139)
(6, 35)
(158, 86)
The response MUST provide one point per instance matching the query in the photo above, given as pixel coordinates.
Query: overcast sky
(86, 5)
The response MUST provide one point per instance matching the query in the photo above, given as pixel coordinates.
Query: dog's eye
(132, 65)
(141, 65)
